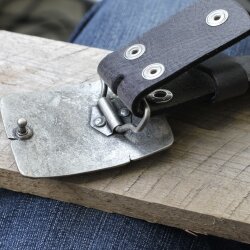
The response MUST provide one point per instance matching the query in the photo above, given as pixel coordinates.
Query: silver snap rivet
(22, 123)
(100, 121)
(153, 71)
(217, 17)
(135, 51)
(160, 96)
(124, 112)
(23, 131)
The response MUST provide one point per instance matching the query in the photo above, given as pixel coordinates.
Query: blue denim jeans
(29, 222)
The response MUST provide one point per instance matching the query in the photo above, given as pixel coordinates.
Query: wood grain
(201, 184)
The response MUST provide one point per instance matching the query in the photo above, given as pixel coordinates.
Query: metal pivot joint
(109, 113)
(111, 116)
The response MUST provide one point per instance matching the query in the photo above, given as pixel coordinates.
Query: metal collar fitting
(217, 17)
(160, 96)
(153, 71)
(135, 51)
(107, 119)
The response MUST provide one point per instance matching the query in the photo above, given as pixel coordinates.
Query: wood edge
(33, 37)
(114, 203)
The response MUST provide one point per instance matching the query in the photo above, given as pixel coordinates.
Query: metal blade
(64, 143)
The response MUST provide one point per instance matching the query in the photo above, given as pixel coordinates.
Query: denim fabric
(29, 222)
(118, 22)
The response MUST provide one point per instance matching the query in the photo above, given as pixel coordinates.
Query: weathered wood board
(201, 184)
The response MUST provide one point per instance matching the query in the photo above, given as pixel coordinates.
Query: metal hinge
(111, 116)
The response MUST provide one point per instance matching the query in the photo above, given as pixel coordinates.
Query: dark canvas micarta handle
(179, 44)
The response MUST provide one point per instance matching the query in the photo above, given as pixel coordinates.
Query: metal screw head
(100, 121)
(124, 112)
(217, 17)
(153, 71)
(135, 51)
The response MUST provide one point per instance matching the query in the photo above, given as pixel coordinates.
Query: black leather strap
(229, 78)
(219, 78)
(179, 44)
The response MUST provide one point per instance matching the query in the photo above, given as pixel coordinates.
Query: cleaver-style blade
(64, 143)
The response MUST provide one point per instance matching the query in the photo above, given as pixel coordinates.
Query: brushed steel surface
(64, 143)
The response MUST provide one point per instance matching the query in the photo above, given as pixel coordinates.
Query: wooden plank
(201, 184)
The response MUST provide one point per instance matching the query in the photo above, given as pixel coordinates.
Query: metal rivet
(217, 17)
(160, 96)
(100, 121)
(22, 123)
(124, 112)
(135, 51)
(153, 71)
(23, 132)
